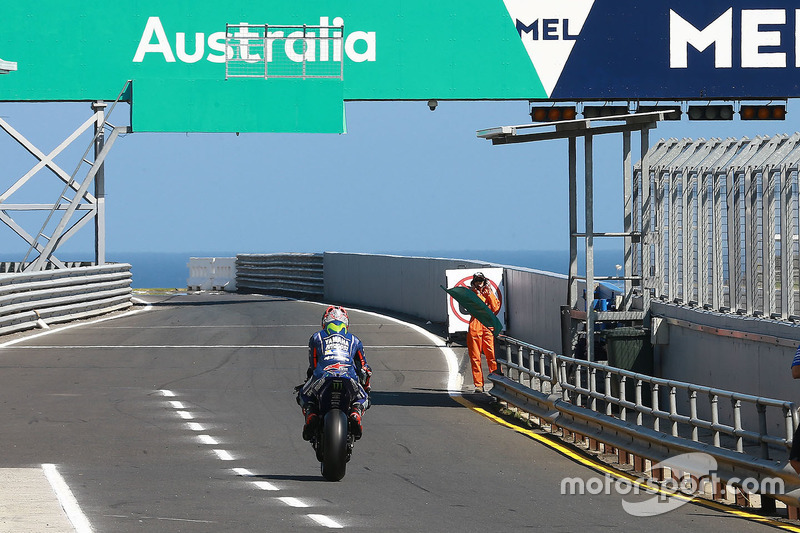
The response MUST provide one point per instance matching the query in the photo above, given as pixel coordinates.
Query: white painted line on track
(177, 405)
(208, 439)
(265, 485)
(66, 499)
(167, 393)
(186, 415)
(293, 502)
(223, 455)
(194, 426)
(215, 346)
(243, 472)
(323, 520)
(161, 346)
(225, 326)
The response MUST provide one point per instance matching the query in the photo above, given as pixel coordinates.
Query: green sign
(271, 65)
(175, 55)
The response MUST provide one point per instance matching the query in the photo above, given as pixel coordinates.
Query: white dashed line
(265, 485)
(326, 521)
(223, 455)
(293, 502)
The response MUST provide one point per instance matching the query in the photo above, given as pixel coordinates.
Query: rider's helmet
(335, 320)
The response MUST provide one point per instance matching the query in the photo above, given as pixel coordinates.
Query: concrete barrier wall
(411, 286)
(534, 300)
(743, 354)
(407, 285)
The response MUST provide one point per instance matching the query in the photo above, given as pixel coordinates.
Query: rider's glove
(364, 377)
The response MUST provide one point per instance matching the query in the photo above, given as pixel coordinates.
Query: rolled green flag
(476, 307)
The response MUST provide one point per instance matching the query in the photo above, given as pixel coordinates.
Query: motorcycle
(333, 438)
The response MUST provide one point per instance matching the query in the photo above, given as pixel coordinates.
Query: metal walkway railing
(643, 415)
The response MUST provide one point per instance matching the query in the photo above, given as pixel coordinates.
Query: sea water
(170, 269)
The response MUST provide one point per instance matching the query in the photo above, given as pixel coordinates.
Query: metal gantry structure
(713, 224)
(58, 226)
(632, 310)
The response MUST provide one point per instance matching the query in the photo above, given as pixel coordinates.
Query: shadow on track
(175, 302)
(424, 398)
(286, 477)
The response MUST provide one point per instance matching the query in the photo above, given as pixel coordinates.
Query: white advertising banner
(457, 317)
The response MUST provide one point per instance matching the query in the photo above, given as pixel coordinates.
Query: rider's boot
(355, 421)
(312, 420)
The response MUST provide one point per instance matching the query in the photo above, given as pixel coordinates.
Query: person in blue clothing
(794, 454)
(334, 351)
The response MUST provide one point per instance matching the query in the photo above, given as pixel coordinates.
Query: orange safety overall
(481, 339)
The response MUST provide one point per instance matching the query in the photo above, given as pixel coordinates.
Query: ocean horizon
(170, 269)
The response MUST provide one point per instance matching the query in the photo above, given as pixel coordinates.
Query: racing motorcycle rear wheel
(334, 445)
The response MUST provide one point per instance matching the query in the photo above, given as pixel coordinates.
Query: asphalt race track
(181, 418)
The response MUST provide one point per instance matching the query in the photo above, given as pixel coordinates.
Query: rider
(334, 349)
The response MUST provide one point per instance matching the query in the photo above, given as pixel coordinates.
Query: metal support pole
(627, 175)
(646, 225)
(100, 187)
(572, 297)
(589, 201)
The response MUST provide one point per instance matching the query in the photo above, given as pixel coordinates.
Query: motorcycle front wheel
(334, 445)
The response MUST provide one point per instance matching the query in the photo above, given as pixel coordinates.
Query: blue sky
(402, 179)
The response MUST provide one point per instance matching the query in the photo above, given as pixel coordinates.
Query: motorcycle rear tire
(334, 445)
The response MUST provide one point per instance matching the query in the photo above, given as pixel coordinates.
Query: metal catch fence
(720, 221)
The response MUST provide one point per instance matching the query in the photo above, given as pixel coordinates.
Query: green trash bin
(630, 348)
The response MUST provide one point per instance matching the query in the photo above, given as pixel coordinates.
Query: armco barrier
(295, 275)
(62, 295)
(212, 273)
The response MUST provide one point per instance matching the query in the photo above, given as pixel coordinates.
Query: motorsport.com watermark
(693, 471)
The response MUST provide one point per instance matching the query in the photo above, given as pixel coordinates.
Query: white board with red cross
(457, 317)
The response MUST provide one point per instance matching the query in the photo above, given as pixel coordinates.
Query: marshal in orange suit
(479, 337)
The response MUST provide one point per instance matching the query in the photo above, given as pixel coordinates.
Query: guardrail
(593, 400)
(296, 275)
(37, 299)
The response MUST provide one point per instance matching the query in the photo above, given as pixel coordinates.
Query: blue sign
(707, 49)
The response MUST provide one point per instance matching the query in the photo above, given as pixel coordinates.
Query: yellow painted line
(595, 465)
